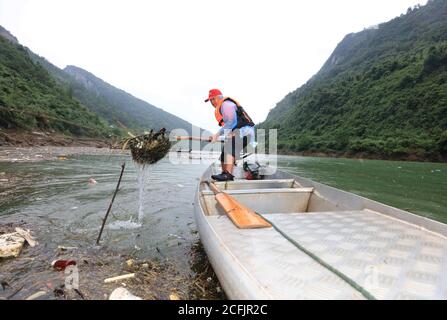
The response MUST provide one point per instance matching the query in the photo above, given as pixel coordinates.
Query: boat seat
(276, 200)
(258, 184)
(268, 191)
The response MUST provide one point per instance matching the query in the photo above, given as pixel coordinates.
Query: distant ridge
(7, 35)
(114, 104)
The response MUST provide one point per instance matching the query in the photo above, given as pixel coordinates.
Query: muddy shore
(30, 146)
(20, 138)
(32, 154)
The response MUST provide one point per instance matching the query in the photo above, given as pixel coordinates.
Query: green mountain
(30, 98)
(73, 91)
(382, 92)
(116, 105)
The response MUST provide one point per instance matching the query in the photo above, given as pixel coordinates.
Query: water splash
(142, 172)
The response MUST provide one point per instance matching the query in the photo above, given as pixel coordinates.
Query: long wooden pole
(193, 138)
(123, 165)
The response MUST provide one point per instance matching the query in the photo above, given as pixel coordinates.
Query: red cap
(213, 93)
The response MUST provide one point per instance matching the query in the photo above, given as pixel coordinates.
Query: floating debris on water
(63, 248)
(122, 294)
(11, 244)
(61, 265)
(119, 278)
(26, 234)
(174, 297)
(130, 262)
(36, 295)
(176, 236)
(124, 225)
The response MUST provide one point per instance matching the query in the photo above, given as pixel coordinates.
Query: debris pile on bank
(12, 243)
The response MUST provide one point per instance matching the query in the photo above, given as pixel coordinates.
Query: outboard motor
(252, 170)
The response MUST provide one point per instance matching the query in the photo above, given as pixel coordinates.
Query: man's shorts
(233, 146)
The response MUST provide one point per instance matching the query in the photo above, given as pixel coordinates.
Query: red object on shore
(60, 265)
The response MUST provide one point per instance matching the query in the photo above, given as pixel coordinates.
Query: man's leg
(222, 160)
(226, 161)
(229, 163)
(230, 153)
(237, 145)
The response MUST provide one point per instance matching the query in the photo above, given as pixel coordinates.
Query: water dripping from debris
(142, 173)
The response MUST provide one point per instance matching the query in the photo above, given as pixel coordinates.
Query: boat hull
(245, 274)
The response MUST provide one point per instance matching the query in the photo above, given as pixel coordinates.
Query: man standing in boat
(237, 129)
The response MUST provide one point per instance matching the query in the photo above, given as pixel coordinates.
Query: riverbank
(31, 146)
(47, 153)
(21, 138)
(24, 142)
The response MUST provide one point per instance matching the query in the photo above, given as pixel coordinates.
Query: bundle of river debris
(149, 147)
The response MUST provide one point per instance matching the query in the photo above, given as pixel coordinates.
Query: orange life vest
(243, 119)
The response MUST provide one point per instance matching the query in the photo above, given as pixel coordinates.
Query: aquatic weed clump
(149, 147)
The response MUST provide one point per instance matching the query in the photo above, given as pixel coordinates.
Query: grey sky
(170, 53)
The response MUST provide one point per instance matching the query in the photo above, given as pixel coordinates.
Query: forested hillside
(30, 98)
(382, 92)
(35, 94)
(116, 105)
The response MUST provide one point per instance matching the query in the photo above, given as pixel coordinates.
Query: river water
(418, 187)
(55, 200)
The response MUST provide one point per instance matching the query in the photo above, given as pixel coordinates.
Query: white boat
(325, 244)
